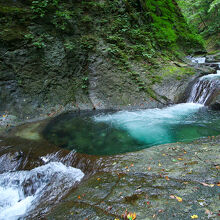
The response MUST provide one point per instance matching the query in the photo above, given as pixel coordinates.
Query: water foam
(198, 59)
(212, 76)
(151, 126)
(22, 191)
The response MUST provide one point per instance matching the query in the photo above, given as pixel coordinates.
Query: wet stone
(153, 183)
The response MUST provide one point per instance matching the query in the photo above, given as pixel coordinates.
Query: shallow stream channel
(36, 174)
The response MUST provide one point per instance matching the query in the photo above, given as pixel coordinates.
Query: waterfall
(197, 59)
(206, 87)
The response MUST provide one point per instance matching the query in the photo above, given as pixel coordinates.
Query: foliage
(53, 11)
(202, 15)
(36, 41)
(169, 27)
(41, 7)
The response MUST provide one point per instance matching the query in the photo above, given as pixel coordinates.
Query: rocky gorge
(89, 125)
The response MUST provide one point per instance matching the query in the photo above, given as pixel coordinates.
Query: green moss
(12, 33)
(213, 52)
(12, 10)
(177, 72)
(169, 27)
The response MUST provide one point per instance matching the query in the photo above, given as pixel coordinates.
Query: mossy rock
(177, 72)
(7, 10)
(12, 33)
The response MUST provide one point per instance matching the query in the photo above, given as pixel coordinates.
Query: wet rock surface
(172, 181)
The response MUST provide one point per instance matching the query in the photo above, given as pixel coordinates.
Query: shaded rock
(213, 58)
(147, 182)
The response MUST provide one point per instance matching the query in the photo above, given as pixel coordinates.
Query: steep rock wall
(91, 54)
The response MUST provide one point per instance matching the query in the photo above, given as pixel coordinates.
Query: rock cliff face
(92, 55)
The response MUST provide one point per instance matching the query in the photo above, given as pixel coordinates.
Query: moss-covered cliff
(91, 54)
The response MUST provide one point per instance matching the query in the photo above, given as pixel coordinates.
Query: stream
(28, 189)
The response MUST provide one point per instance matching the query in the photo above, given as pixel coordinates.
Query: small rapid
(197, 59)
(205, 89)
(24, 191)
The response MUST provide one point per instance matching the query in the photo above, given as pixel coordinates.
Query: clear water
(127, 131)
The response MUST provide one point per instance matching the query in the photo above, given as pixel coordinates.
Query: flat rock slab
(172, 181)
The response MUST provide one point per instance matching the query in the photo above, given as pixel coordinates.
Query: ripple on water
(127, 131)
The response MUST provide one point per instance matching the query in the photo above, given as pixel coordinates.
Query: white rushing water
(212, 76)
(22, 191)
(204, 89)
(150, 125)
(197, 59)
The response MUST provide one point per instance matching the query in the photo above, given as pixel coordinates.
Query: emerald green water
(127, 131)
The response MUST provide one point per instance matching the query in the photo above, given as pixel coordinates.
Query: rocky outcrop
(91, 55)
(173, 181)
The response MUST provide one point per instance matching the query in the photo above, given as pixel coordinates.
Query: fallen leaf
(164, 155)
(131, 216)
(167, 178)
(52, 114)
(179, 199)
(209, 185)
(159, 165)
(194, 216)
(179, 158)
(125, 214)
(98, 179)
(208, 212)
(109, 207)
